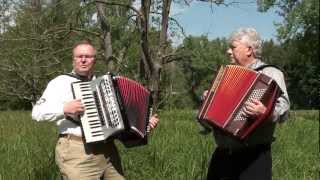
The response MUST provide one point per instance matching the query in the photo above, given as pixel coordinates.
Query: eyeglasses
(84, 56)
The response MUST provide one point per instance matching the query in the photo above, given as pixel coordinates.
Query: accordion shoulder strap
(267, 65)
(81, 78)
(77, 122)
(270, 65)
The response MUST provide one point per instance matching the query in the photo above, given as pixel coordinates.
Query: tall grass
(175, 150)
(26, 147)
(296, 149)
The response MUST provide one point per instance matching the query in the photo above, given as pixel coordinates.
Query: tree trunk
(106, 37)
(36, 5)
(152, 67)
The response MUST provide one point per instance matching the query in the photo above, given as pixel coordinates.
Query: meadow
(175, 151)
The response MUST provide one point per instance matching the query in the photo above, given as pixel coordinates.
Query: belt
(71, 136)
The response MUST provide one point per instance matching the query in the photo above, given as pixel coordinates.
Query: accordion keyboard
(90, 120)
(102, 116)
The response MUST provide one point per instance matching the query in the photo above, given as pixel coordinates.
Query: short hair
(83, 42)
(250, 37)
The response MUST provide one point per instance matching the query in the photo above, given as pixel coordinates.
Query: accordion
(115, 107)
(223, 107)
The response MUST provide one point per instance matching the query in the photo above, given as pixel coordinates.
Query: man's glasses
(84, 56)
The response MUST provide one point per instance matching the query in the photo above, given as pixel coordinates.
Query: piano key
(95, 135)
(94, 123)
(86, 102)
(93, 117)
(91, 110)
(95, 126)
(96, 130)
(87, 98)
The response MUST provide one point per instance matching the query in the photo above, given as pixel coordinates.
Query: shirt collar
(83, 78)
(256, 64)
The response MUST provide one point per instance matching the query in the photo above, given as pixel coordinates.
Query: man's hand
(153, 121)
(73, 108)
(254, 108)
(204, 94)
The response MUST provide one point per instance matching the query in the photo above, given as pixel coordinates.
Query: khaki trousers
(77, 161)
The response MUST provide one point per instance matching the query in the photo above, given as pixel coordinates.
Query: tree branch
(120, 4)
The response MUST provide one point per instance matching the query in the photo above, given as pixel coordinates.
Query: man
(250, 158)
(75, 159)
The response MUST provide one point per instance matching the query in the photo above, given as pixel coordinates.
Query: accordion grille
(235, 82)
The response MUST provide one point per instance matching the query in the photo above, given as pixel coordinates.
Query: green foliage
(33, 51)
(177, 90)
(264, 5)
(202, 60)
(301, 71)
(301, 19)
(175, 149)
(37, 47)
(299, 34)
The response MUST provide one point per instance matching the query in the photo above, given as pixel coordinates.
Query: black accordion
(115, 107)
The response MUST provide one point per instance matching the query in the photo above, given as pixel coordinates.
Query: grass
(296, 150)
(175, 150)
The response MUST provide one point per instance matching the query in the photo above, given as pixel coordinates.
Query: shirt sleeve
(50, 106)
(282, 106)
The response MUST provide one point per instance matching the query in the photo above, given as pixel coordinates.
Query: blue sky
(219, 21)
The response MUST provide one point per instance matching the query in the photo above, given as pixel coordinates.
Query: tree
(44, 41)
(299, 36)
(34, 48)
(24, 57)
(202, 61)
(154, 55)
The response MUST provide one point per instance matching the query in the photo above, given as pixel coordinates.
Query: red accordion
(136, 107)
(232, 88)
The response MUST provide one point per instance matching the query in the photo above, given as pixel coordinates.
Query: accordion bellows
(115, 107)
(232, 88)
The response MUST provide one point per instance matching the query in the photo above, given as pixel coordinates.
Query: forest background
(36, 37)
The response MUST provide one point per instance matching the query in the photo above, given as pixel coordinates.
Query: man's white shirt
(50, 106)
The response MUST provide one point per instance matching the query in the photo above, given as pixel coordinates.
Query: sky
(201, 18)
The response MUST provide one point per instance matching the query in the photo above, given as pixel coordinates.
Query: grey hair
(250, 37)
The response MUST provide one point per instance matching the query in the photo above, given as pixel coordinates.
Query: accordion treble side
(224, 104)
(115, 107)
